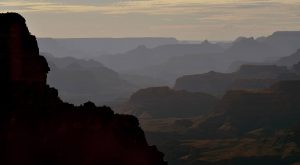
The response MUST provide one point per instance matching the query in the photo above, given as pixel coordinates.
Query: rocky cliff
(247, 77)
(258, 127)
(160, 102)
(272, 108)
(36, 127)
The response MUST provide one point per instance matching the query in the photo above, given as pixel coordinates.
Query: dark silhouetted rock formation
(37, 128)
(20, 60)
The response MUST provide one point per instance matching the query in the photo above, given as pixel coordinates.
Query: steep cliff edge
(36, 127)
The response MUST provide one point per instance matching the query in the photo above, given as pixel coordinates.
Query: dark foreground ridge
(36, 127)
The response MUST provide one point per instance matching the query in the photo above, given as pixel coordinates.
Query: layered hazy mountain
(286, 42)
(201, 102)
(134, 63)
(290, 60)
(243, 50)
(247, 77)
(86, 80)
(81, 80)
(93, 47)
(162, 102)
(168, 62)
(142, 56)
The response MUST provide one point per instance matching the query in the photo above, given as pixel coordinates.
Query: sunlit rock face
(36, 127)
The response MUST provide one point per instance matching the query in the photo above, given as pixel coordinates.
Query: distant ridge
(286, 33)
(92, 47)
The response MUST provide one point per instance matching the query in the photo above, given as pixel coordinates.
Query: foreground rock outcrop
(36, 127)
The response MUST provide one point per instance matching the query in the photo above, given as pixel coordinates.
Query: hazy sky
(183, 19)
